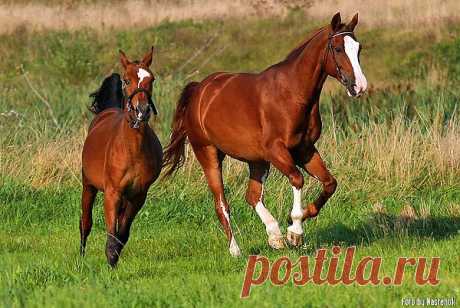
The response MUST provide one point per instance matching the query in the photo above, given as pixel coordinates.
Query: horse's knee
(330, 186)
(253, 196)
(311, 211)
(296, 179)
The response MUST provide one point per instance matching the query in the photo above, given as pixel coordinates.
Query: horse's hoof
(276, 242)
(112, 259)
(112, 251)
(234, 249)
(294, 239)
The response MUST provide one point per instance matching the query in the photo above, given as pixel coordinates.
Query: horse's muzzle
(142, 114)
(353, 90)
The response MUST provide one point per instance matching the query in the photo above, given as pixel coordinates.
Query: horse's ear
(147, 60)
(354, 21)
(336, 22)
(124, 59)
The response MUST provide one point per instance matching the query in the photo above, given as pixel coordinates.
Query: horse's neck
(132, 137)
(308, 75)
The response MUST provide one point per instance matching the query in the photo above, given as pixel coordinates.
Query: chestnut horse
(121, 156)
(268, 118)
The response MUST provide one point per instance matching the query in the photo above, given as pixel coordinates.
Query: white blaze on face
(352, 49)
(141, 74)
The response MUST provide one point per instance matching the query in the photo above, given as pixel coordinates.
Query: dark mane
(109, 95)
(298, 50)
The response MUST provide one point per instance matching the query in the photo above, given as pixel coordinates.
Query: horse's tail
(109, 95)
(174, 154)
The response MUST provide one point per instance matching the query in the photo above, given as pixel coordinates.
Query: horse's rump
(174, 154)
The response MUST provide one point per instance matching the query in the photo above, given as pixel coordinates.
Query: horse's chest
(307, 128)
(139, 176)
(313, 124)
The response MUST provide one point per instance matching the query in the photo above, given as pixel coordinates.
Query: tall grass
(403, 133)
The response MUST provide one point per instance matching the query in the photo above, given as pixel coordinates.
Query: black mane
(109, 95)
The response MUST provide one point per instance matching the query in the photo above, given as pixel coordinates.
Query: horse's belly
(238, 141)
(246, 151)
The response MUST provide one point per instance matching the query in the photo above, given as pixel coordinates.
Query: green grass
(395, 148)
(177, 254)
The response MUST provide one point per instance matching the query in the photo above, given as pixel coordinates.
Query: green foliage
(443, 55)
(447, 54)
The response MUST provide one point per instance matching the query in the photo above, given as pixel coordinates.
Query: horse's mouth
(352, 92)
(143, 117)
(143, 114)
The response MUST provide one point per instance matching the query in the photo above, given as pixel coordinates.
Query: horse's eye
(338, 49)
(127, 81)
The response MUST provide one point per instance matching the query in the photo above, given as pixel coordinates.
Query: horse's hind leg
(112, 204)
(211, 161)
(258, 173)
(89, 193)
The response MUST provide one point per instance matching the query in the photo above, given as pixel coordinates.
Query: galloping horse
(121, 156)
(268, 118)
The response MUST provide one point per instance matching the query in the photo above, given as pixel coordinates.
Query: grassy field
(395, 153)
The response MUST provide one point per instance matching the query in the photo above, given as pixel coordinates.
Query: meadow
(395, 154)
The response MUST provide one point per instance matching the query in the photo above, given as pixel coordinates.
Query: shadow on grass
(382, 225)
(373, 228)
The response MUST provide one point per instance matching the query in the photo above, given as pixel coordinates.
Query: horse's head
(137, 87)
(342, 56)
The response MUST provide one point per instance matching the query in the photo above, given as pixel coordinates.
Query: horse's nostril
(352, 90)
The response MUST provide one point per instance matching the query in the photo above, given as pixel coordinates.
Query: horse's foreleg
(126, 219)
(258, 173)
(86, 220)
(112, 203)
(211, 161)
(317, 169)
(281, 158)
